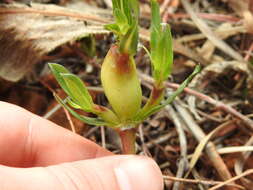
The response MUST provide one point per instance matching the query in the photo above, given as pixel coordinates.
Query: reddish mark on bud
(156, 94)
(122, 60)
(99, 108)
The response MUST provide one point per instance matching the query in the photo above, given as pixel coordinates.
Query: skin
(37, 154)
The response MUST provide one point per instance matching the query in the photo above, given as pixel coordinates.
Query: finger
(28, 140)
(108, 173)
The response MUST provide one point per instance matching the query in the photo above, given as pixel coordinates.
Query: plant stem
(128, 137)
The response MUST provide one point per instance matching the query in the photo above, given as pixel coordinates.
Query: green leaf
(134, 4)
(126, 14)
(121, 21)
(78, 92)
(183, 85)
(155, 14)
(129, 43)
(73, 86)
(85, 119)
(73, 104)
(155, 26)
(164, 55)
(172, 97)
(161, 46)
(116, 4)
(122, 12)
(57, 71)
(113, 28)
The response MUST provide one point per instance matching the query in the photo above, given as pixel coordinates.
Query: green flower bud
(121, 84)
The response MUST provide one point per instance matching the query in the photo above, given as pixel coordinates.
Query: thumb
(108, 173)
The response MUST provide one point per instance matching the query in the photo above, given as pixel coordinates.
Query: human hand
(38, 154)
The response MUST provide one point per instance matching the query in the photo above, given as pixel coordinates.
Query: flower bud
(121, 84)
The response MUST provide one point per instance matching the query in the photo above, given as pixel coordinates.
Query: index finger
(28, 140)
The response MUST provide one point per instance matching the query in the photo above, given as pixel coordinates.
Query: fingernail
(139, 173)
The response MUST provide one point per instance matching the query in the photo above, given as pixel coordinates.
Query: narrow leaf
(199, 149)
(168, 53)
(85, 119)
(129, 43)
(182, 86)
(57, 71)
(73, 104)
(135, 6)
(113, 28)
(121, 21)
(126, 14)
(78, 92)
(161, 46)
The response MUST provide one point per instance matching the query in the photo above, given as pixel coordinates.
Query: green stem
(128, 137)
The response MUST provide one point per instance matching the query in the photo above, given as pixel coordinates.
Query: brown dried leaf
(244, 8)
(28, 33)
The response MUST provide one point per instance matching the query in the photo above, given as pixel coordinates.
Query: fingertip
(139, 173)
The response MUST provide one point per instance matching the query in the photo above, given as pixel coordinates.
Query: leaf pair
(126, 14)
(79, 98)
(74, 87)
(161, 46)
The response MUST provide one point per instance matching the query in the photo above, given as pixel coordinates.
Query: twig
(164, 6)
(248, 172)
(233, 149)
(161, 139)
(195, 129)
(52, 111)
(183, 144)
(70, 121)
(197, 181)
(204, 28)
(239, 163)
(91, 131)
(209, 16)
(102, 131)
(215, 158)
(228, 31)
(143, 144)
(248, 53)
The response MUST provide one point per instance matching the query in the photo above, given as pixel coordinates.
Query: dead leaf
(28, 33)
(199, 149)
(207, 31)
(244, 8)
